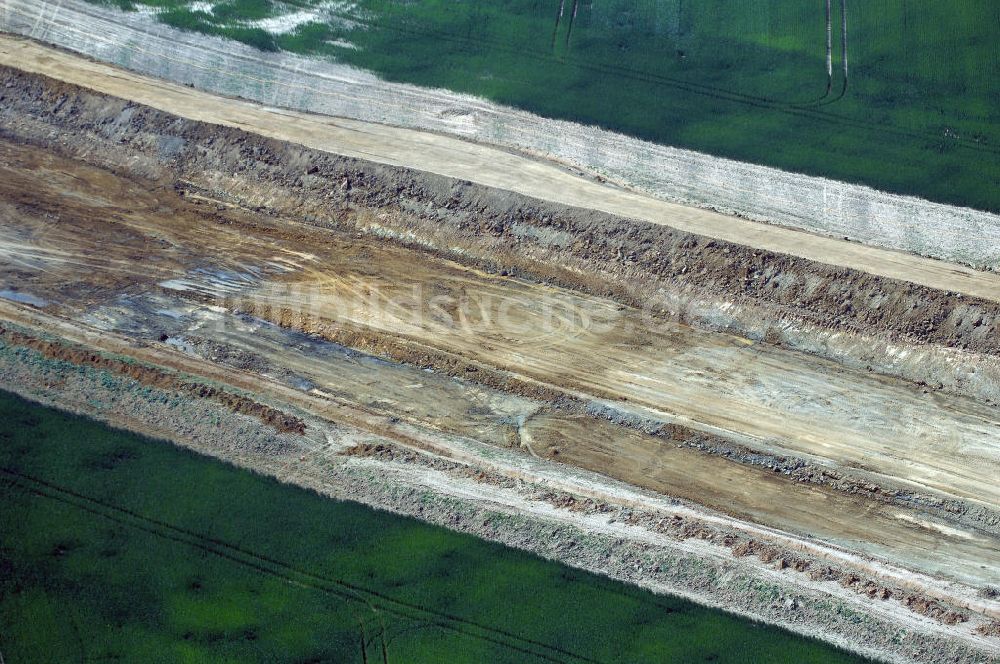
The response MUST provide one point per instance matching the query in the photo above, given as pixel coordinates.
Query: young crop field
(896, 94)
(116, 547)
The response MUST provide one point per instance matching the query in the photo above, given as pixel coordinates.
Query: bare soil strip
(361, 294)
(858, 602)
(938, 339)
(138, 42)
(488, 166)
(342, 319)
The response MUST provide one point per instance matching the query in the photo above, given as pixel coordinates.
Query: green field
(116, 547)
(745, 79)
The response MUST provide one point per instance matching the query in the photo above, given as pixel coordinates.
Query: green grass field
(116, 547)
(744, 79)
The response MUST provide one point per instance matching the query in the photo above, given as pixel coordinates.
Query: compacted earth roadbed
(801, 430)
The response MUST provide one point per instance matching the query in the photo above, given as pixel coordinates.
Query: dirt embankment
(138, 42)
(755, 578)
(751, 550)
(56, 244)
(681, 528)
(540, 242)
(709, 283)
(156, 377)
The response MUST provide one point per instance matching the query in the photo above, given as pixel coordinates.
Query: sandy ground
(489, 166)
(763, 396)
(110, 253)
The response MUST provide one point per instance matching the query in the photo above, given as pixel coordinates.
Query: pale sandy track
(485, 165)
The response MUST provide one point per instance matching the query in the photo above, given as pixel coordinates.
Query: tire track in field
(291, 574)
(829, 54)
(806, 109)
(559, 15)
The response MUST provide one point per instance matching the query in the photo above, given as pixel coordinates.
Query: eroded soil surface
(173, 270)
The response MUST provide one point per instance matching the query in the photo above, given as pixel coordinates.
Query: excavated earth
(807, 444)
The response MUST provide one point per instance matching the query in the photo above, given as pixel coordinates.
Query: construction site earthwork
(728, 404)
